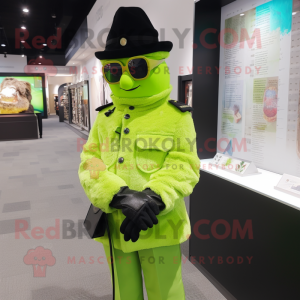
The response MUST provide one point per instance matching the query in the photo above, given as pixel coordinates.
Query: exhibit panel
(22, 93)
(73, 98)
(75, 106)
(64, 101)
(78, 97)
(258, 87)
(245, 211)
(85, 119)
(185, 89)
(22, 105)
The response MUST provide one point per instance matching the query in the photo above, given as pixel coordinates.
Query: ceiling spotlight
(41, 56)
(294, 12)
(45, 45)
(53, 16)
(22, 41)
(26, 10)
(22, 55)
(40, 63)
(242, 14)
(23, 27)
(3, 45)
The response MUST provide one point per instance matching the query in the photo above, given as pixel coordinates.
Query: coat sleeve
(180, 171)
(100, 191)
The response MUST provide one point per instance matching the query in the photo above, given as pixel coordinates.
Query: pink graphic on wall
(39, 258)
(270, 104)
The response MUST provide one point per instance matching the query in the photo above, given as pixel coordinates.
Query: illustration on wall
(22, 95)
(236, 112)
(270, 104)
(85, 107)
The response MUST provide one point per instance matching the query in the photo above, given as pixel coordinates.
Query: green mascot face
(157, 81)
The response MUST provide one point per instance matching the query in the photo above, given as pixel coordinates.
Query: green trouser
(161, 269)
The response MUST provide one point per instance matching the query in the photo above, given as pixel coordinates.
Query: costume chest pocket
(151, 151)
(109, 149)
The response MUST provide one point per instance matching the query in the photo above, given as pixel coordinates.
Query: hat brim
(134, 51)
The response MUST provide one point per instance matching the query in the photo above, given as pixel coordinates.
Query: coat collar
(143, 103)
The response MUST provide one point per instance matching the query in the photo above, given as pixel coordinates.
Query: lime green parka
(144, 142)
(158, 152)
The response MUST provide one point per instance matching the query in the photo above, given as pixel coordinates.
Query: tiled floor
(39, 186)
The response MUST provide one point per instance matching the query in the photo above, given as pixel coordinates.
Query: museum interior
(150, 149)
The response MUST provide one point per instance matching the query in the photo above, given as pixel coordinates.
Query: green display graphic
(21, 94)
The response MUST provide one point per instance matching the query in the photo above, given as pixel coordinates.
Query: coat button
(126, 130)
(131, 107)
(121, 160)
(127, 116)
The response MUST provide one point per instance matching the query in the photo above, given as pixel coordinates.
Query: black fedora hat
(132, 34)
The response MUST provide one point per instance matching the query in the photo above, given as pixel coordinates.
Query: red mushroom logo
(39, 258)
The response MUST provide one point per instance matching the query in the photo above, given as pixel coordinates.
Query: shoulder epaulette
(181, 106)
(103, 106)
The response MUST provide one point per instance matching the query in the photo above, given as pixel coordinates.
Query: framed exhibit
(106, 92)
(79, 105)
(64, 101)
(258, 104)
(185, 89)
(23, 93)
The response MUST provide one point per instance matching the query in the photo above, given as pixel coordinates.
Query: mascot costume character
(145, 146)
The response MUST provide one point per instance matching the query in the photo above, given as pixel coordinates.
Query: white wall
(59, 79)
(54, 82)
(53, 89)
(165, 16)
(12, 63)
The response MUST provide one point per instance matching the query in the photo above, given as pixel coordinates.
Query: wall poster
(259, 88)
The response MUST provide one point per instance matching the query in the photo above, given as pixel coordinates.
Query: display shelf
(79, 101)
(263, 183)
(65, 103)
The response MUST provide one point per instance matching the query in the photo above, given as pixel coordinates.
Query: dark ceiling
(39, 22)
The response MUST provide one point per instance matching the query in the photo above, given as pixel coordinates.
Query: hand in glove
(130, 230)
(140, 207)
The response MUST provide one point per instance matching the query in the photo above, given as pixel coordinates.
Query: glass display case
(85, 116)
(79, 101)
(64, 101)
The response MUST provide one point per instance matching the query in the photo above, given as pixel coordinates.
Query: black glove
(155, 197)
(130, 230)
(140, 207)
